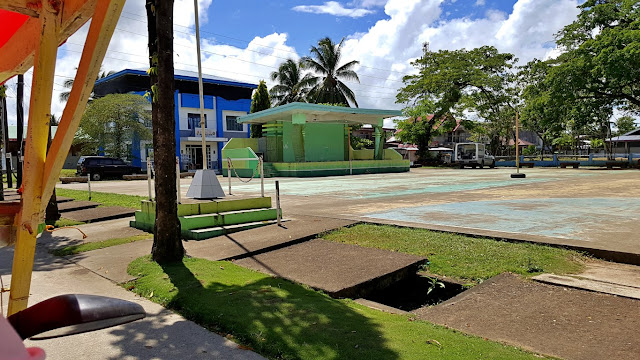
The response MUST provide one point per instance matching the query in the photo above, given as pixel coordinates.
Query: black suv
(100, 167)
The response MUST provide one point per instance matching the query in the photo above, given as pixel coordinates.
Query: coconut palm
(328, 86)
(292, 85)
(68, 84)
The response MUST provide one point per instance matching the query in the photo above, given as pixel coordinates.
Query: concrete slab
(162, 335)
(262, 239)
(99, 214)
(590, 285)
(61, 199)
(76, 205)
(341, 270)
(553, 320)
(100, 231)
(111, 263)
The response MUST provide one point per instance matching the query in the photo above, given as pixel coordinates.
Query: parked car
(100, 167)
(473, 154)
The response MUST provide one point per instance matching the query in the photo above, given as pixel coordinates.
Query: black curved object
(73, 314)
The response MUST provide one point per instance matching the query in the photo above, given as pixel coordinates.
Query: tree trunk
(167, 245)
(423, 143)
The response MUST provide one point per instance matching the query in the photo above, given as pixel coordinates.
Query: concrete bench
(72, 179)
(526, 164)
(620, 164)
(574, 164)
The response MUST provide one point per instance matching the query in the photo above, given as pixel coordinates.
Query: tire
(493, 164)
(461, 166)
(96, 177)
(481, 166)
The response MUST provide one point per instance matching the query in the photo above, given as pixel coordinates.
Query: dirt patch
(568, 323)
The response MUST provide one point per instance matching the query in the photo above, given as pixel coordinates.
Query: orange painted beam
(103, 25)
(19, 52)
(30, 215)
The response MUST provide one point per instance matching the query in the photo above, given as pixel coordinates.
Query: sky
(247, 40)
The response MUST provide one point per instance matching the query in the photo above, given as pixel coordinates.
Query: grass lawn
(283, 320)
(67, 172)
(76, 249)
(106, 199)
(463, 257)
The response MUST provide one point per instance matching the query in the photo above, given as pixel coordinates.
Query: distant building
(225, 100)
(628, 143)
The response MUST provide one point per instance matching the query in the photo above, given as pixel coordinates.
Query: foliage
(462, 257)
(77, 249)
(68, 84)
(283, 320)
(596, 143)
(62, 222)
(601, 62)
(358, 143)
(433, 284)
(452, 82)
(292, 85)
(625, 124)
(260, 101)
(328, 86)
(113, 121)
(530, 150)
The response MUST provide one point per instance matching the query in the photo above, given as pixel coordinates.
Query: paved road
(588, 208)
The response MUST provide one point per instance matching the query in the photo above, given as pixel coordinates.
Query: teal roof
(320, 113)
(13, 132)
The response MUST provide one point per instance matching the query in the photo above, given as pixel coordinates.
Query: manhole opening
(413, 292)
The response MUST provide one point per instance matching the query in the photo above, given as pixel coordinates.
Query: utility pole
(5, 153)
(20, 136)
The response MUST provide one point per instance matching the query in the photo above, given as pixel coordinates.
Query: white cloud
(384, 50)
(480, 3)
(336, 9)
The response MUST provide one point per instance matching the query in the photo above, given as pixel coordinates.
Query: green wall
(323, 142)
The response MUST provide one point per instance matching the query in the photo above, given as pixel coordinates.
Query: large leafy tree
(601, 62)
(292, 85)
(167, 244)
(625, 124)
(112, 120)
(450, 84)
(328, 84)
(260, 101)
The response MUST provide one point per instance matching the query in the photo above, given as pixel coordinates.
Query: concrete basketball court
(585, 208)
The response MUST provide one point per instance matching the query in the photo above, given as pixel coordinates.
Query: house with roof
(225, 100)
(628, 143)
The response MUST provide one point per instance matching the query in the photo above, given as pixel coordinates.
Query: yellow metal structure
(35, 44)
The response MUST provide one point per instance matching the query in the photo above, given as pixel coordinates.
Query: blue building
(224, 101)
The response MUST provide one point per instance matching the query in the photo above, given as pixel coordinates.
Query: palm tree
(64, 96)
(292, 86)
(328, 86)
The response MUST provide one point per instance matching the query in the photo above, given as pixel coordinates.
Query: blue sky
(247, 40)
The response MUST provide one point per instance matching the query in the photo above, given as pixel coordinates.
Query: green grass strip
(463, 257)
(283, 320)
(76, 249)
(106, 199)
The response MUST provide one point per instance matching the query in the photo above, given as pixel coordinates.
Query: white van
(473, 154)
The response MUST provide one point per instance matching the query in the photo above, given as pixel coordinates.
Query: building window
(232, 123)
(193, 121)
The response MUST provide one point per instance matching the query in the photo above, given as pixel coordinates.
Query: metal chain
(236, 173)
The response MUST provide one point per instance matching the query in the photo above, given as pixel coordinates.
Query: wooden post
(31, 213)
(178, 179)
(261, 176)
(278, 201)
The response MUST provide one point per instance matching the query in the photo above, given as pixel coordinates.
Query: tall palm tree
(328, 86)
(68, 84)
(292, 86)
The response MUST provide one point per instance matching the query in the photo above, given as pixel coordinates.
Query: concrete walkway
(163, 335)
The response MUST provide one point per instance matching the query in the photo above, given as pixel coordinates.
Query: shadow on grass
(275, 317)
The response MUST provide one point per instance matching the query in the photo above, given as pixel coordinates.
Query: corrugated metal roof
(625, 138)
